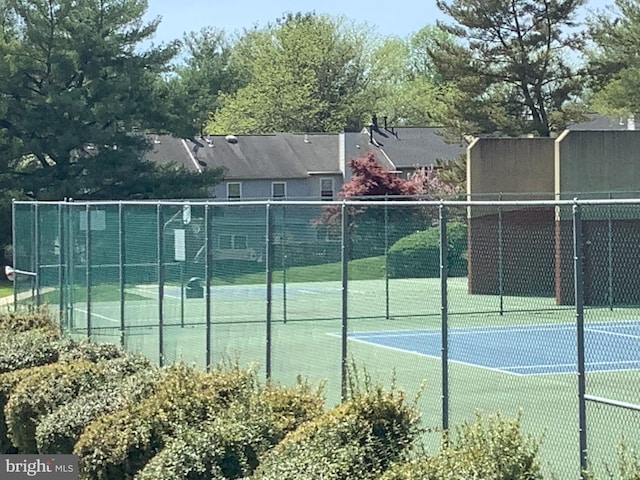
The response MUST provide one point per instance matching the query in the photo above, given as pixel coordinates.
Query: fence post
(610, 253)
(344, 245)
(386, 255)
(207, 283)
(160, 246)
(442, 217)
(500, 256)
(121, 271)
(269, 266)
(579, 304)
(87, 260)
(61, 261)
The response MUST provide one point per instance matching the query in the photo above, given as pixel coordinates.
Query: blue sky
(386, 16)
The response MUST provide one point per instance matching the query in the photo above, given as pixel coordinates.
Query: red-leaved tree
(372, 228)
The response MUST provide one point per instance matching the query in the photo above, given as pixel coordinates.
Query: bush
(59, 431)
(230, 446)
(21, 364)
(418, 255)
(358, 439)
(24, 319)
(41, 392)
(627, 468)
(119, 444)
(30, 348)
(492, 450)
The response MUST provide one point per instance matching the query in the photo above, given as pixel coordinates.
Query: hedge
(119, 444)
(41, 392)
(10, 379)
(231, 445)
(418, 255)
(26, 349)
(492, 449)
(59, 431)
(357, 439)
(24, 319)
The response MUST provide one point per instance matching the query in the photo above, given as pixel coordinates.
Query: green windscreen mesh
(334, 291)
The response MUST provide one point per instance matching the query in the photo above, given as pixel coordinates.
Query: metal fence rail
(507, 305)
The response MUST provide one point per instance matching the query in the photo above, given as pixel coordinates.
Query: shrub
(41, 392)
(72, 350)
(23, 319)
(59, 431)
(418, 255)
(30, 348)
(627, 468)
(231, 445)
(357, 439)
(119, 444)
(494, 449)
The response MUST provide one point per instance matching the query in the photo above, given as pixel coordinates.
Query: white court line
(620, 362)
(497, 329)
(109, 319)
(434, 357)
(607, 332)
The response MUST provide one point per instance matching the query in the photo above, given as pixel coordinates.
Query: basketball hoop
(9, 272)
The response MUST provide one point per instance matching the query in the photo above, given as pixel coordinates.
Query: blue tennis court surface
(522, 349)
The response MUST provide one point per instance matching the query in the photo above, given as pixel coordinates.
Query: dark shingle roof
(253, 156)
(407, 147)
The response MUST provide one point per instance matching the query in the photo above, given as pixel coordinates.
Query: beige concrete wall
(516, 167)
(597, 161)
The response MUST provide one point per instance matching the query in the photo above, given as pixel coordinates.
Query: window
(326, 188)
(278, 190)
(232, 242)
(234, 190)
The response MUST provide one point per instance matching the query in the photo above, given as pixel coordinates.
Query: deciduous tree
(306, 73)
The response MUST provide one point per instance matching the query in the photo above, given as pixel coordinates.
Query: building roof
(404, 147)
(282, 155)
(601, 122)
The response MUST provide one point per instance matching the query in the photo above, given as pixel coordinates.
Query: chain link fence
(530, 308)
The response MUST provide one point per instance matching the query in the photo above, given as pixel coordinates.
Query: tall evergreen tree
(512, 64)
(76, 84)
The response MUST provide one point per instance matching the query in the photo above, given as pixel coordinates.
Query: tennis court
(523, 349)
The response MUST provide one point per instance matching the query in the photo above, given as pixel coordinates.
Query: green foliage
(628, 465)
(59, 431)
(231, 445)
(27, 318)
(357, 439)
(119, 444)
(28, 349)
(306, 73)
(612, 63)
(418, 255)
(510, 65)
(488, 449)
(41, 392)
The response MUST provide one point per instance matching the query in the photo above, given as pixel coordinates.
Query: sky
(387, 17)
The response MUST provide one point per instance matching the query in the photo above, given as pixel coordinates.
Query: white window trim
(279, 183)
(239, 188)
(333, 186)
(234, 243)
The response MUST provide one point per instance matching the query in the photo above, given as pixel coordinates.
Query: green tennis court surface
(305, 318)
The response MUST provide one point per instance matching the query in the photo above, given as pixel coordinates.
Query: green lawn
(6, 288)
(371, 268)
